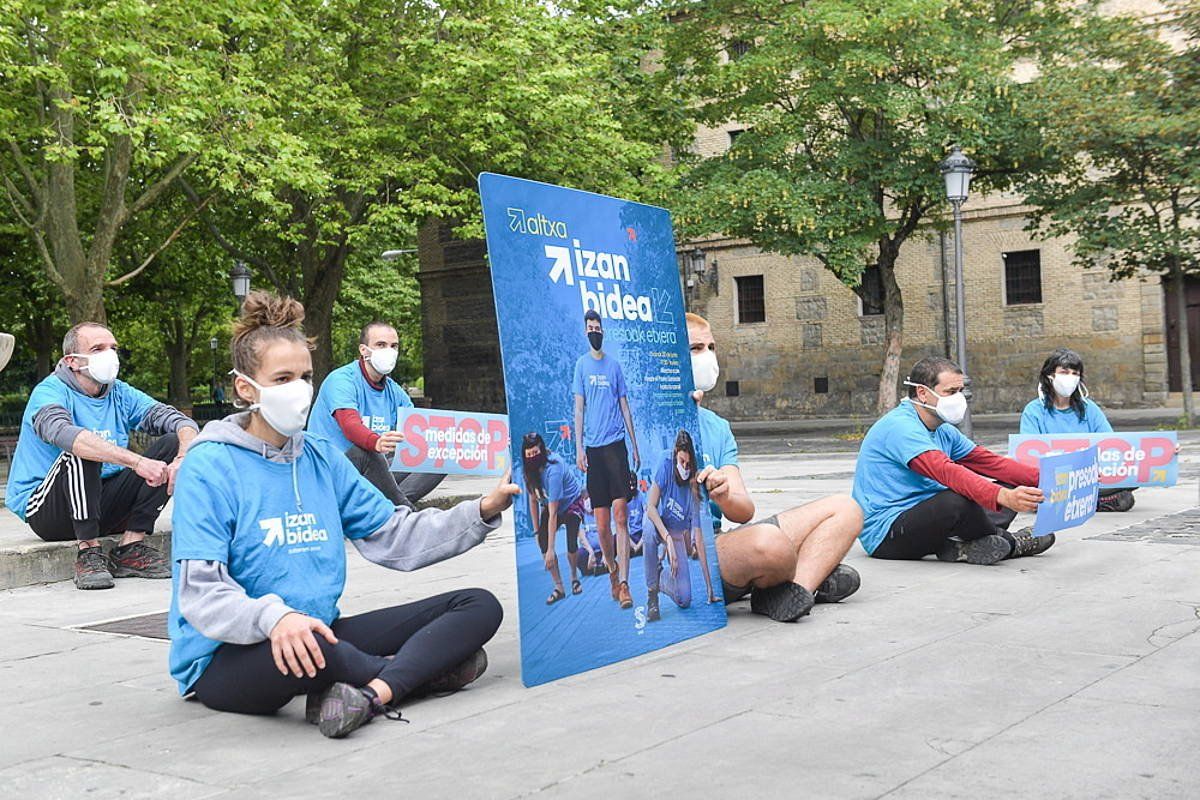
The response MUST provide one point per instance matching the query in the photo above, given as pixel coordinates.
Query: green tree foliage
(848, 106)
(400, 106)
(105, 103)
(1120, 110)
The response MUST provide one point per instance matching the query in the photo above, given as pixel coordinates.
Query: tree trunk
(176, 345)
(41, 339)
(893, 318)
(321, 294)
(1185, 353)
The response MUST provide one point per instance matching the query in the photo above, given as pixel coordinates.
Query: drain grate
(148, 626)
(1180, 528)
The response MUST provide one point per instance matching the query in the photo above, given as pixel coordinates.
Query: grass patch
(855, 434)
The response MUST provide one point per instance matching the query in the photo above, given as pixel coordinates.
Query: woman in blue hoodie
(261, 515)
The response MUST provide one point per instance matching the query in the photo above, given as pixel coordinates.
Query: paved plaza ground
(1074, 674)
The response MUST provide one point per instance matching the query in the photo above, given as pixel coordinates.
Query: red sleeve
(937, 466)
(353, 429)
(999, 468)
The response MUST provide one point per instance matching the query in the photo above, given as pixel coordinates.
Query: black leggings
(925, 527)
(427, 638)
(568, 518)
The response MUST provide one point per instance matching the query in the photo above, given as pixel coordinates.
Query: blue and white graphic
(1071, 484)
(556, 253)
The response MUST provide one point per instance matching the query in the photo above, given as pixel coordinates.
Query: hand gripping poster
(614, 546)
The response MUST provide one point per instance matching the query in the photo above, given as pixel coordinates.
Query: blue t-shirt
(718, 449)
(677, 505)
(347, 387)
(602, 385)
(235, 507)
(1036, 418)
(884, 486)
(111, 417)
(560, 483)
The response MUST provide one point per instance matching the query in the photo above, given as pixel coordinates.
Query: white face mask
(102, 366)
(951, 408)
(684, 472)
(705, 370)
(1065, 385)
(383, 360)
(284, 406)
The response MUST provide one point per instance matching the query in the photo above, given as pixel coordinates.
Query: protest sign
(1126, 459)
(1071, 485)
(451, 442)
(602, 409)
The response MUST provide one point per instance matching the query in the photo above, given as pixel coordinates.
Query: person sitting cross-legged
(261, 522)
(73, 476)
(788, 561)
(925, 489)
(357, 409)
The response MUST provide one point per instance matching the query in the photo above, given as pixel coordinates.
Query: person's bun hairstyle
(265, 317)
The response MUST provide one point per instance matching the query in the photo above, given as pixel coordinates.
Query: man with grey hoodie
(73, 475)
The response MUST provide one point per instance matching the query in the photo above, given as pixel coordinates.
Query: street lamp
(212, 345)
(957, 170)
(392, 255)
(239, 277)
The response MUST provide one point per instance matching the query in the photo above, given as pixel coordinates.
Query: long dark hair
(533, 475)
(683, 443)
(1068, 359)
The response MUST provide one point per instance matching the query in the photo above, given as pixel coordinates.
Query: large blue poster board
(556, 254)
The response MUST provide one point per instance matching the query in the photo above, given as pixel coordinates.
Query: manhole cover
(1179, 528)
(149, 626)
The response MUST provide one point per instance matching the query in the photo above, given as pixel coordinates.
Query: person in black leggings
(262, 515)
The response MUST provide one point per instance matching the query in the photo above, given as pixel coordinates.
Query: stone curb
(48, 562)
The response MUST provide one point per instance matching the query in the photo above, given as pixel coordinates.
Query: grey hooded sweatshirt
(219, 608)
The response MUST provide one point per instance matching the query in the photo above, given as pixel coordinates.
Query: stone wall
(814, 329)
(458, 323)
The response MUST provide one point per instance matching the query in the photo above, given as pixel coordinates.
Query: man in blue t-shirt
(788, 561)
(602, 419)
(924, 487)
(73, 476)
(356, 409)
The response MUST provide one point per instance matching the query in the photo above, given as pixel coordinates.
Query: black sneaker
(985, 550)
(652, 614)
(312, 707)
(465, 673)
(1026, 544)
(138, 560)
(91, 569)
(785, 602)
(841, 583)
(1117, 501)
(345, 709)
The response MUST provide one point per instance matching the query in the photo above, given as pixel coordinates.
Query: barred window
(751, 299)
(737, 48)
(872, 292)
(1022, 277)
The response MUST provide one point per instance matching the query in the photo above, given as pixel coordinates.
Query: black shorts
(607, 473)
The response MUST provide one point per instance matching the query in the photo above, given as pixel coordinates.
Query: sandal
(576, 587)
(554, 597)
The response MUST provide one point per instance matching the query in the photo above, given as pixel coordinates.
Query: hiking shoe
(1117, 501)
(652, 614)
(91, 569)
(984, 551)
(785, 602)
(138, 560)
(1026, 544)
(345, 709)
(841, 583)
(623, 596)
(465, 673)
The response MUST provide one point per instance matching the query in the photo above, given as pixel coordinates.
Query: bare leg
(821, 534)
(756, 555)
(556, 574)
(604, 529)
(621, 516)
(572, 560)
